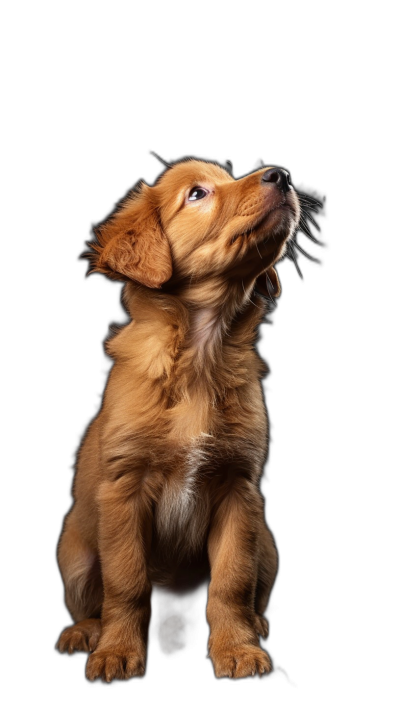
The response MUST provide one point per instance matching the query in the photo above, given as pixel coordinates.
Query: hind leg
(80, 570)
(267, 570)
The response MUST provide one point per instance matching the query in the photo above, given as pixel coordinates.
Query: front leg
(233, 552)
(125, 524)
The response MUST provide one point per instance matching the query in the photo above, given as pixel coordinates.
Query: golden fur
(167, 478)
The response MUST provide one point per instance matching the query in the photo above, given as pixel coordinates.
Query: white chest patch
(182, 512)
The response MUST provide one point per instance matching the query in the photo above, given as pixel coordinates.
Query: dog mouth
(262, 224)
(281, 206)
(259, 231)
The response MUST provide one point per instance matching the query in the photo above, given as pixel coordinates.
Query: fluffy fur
(167, 477)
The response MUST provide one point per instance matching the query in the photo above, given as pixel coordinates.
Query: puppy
(167, 477)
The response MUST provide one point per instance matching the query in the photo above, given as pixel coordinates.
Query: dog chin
(281, 223)
(279, 226)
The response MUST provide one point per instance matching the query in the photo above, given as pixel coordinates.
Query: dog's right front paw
(111, 664)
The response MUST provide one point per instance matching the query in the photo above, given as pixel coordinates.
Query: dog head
(198, 223)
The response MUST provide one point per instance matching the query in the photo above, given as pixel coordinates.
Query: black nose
(280, 177)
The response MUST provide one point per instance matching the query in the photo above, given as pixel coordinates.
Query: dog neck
(205, 329)
(214, 308)
(195, 326)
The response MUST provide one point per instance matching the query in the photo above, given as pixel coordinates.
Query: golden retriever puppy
(167, 477)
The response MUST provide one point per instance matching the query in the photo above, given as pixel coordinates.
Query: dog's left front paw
(240, 661)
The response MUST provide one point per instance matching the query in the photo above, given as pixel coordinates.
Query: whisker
(292, 255)
(309, 197)
(258, 251)
(315, 208)
(311, 219)
(303, 226)
(307, 255)
(306, 196)
(313, 222)
(308, 205)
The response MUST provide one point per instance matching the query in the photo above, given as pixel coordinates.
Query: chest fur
(182, 512)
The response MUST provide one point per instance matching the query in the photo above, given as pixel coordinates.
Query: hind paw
(82, 637)
(261, 626)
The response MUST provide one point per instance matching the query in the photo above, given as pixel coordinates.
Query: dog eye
(197, 193)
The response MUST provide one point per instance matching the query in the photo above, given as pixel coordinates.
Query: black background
(90, 164)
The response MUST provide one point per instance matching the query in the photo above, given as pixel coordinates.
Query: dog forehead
(193, 172)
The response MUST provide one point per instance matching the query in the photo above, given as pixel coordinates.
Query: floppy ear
(268, 283)
(132, 245)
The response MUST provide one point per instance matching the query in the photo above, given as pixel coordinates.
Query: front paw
(114, 664)
(240, 661)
